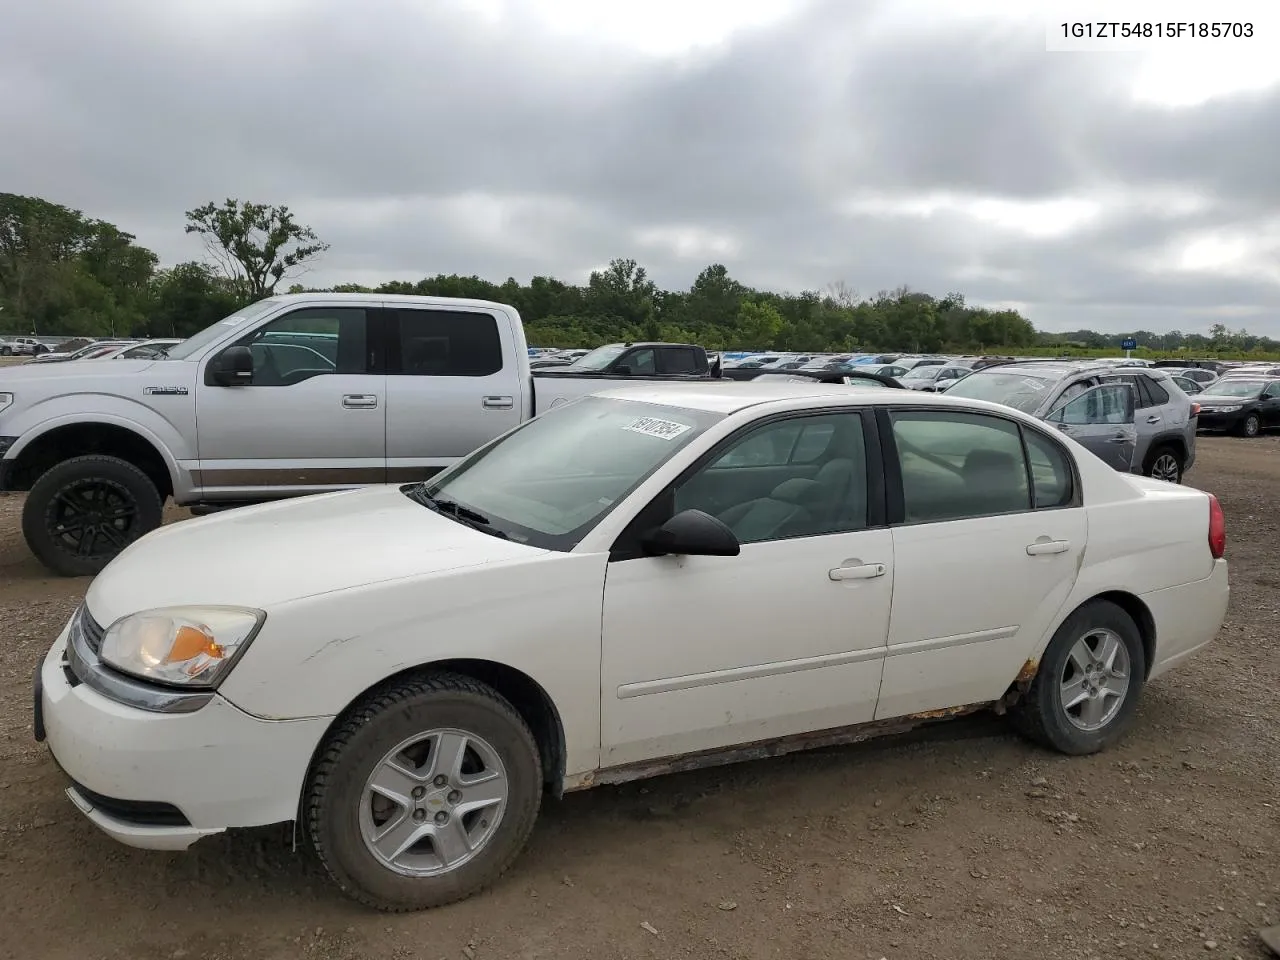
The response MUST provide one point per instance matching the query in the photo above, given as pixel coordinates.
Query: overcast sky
(799, 143)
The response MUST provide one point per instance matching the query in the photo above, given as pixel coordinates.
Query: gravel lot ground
(958, 842)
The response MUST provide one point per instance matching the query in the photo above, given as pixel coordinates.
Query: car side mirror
(232, 367)
(623, 371)
(692, 533)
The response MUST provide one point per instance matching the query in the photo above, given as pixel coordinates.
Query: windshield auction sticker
(652, 427)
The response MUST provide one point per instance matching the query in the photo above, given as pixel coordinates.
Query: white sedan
(405, 671)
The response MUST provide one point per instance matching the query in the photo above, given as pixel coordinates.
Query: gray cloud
(417, 138)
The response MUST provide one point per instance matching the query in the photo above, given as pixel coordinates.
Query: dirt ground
(958, 842)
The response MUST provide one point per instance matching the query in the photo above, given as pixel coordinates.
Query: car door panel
(451, 387)
(1102, 420)
(313, 417)
(968, 600)
(787, 637)
(979, 574)
(701, 653)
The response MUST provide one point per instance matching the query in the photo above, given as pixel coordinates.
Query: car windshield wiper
(464, 515)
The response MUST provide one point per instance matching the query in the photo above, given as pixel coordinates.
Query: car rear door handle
(359, 401)
(1042, 547)
(498, 403)
(857, 571)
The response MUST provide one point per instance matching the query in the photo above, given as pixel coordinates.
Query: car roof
(730, 396)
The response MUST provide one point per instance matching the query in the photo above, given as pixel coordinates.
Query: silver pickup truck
(291, 395)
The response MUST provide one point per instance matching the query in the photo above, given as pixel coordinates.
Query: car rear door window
(447, 343)
(1052, 480)
(959, 465)
(677, 360)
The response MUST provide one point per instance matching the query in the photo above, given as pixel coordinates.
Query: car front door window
(797, 477)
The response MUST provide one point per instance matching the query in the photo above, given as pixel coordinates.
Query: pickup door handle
(1042, 547)
(498, 403)
(359, 401)
(858, 571)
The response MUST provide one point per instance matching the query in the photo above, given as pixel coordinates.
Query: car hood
(276, 552)
(84, 369)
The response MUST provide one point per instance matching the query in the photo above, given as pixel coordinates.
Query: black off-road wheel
(81, 513)
(424, 793)
(1086, 690)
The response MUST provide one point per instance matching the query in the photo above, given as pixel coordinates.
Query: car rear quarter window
(1052, 483)
(448, 343)
(959, 465)
(1159, 395)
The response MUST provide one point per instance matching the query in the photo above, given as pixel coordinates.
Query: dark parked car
(1246, 407)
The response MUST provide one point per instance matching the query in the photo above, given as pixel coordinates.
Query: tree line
(63, 273)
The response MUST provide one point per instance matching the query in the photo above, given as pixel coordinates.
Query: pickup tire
(81, 513)
(439, 755)
(1086, 689)
(6, 351)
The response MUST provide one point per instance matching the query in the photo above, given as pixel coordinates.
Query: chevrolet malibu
(404, 672)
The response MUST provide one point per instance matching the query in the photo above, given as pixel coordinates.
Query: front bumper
(215, 769)
(1208, 420)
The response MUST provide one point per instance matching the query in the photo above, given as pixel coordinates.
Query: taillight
(1217, 528)
(1195, 409)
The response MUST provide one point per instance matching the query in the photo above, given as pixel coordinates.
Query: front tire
(1165, 463)
(82, 512)
(1252, 426)
(424, 793)
(1086, 690)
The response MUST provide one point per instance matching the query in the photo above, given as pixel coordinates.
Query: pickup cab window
(309, 343)
(447, 343)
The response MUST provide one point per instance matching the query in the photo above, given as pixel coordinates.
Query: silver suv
(1164, 416)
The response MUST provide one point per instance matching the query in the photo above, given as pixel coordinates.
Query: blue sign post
(1128, 343)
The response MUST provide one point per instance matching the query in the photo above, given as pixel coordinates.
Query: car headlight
(191, 646)
(1231, 408)
(6, 400)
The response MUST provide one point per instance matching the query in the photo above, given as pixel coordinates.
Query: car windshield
(1240, 389)
(216, 331)
(599, 358)
(1017, 390)
(549, 482)
(923, 373)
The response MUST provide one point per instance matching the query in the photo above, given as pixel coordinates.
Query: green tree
(254, 245)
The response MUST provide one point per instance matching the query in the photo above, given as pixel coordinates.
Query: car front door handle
(498, 403)
(1119, 438)
(1043, 547)
(359, 401)
(857, 571)
(1153, 419)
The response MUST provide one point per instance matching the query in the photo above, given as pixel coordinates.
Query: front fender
(317, 655)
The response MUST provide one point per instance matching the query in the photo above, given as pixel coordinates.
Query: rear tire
(383, 781)
(1086, 690)
(1252, 426)
(1164, 463)
(82, 512)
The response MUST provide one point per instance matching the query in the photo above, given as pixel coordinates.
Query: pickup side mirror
(691, 533)
(232, 367)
